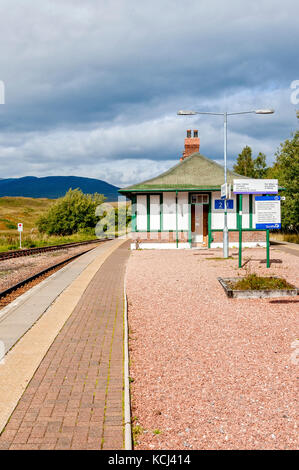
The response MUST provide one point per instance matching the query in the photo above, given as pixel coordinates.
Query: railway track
(14, 291)
(32, 251)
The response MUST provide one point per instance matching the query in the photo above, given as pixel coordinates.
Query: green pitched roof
(195, 172)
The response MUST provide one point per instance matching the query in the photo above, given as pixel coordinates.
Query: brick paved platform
(75, 398)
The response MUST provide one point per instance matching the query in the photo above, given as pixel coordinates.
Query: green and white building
(182, 207)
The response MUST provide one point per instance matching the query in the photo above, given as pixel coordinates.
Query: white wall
(218, 214)
(245, 211)
(183, 211)
(155, 212)
(169, 211)
(141, 212)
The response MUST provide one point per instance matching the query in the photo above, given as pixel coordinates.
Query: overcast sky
(92, 87)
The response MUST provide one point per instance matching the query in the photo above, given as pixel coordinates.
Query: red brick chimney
(191, 144)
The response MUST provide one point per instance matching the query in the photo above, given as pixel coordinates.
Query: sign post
(268, 249)
(267, 208)
(20, 230)
(240, 230)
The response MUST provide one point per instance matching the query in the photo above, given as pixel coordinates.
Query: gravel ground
(210, 372)
(16, 269)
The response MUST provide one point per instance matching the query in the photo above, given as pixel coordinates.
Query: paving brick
(68, 404)
(4, 445)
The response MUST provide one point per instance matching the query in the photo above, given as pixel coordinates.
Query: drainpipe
(176, 219)
(240, 229)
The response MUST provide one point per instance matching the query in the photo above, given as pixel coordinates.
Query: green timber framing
(195, 174)
(133, 197)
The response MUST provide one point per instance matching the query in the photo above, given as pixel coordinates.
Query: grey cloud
(99, 81)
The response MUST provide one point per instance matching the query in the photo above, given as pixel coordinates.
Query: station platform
(61, 379)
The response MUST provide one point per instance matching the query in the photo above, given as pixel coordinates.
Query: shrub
(255, 282)
(72, 213)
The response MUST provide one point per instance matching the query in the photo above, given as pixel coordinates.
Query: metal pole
(225, 228)
(268, 249)
(20, 239)
(240, 229)
(176, 219)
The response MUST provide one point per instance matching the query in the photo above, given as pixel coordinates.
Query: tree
(260, 166)
(72, 213)
(286, 170)
(245, 163)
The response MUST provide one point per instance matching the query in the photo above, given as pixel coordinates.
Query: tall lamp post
(225, 114)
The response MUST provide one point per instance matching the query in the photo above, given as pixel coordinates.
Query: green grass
(285, 237)
(255, 282)
(291, 237)
(27, 211)
(11, 242)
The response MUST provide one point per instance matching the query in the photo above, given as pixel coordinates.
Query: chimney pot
(191, 144)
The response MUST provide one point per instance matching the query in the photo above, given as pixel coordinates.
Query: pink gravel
(210, 372)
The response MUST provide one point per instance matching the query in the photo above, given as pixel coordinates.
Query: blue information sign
(219, 204)
(267, 209)
(268, 226)
(267, 198)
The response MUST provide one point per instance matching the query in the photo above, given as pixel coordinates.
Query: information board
(267, 212)
(255, 186)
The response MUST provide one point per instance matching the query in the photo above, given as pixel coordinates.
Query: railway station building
(182, 207)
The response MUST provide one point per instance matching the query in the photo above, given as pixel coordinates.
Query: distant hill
(53, 187)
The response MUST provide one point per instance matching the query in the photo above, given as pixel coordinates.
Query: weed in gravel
(157, 431)
(136, 430)
(5, 272)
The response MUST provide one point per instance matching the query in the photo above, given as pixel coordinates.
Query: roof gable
(194, 172)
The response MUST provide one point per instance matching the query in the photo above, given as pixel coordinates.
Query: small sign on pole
(20, 230)
(219, 204)
(226, 191)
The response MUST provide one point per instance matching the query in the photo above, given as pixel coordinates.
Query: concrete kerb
(127, 404)
(23, 359)
(22, 298)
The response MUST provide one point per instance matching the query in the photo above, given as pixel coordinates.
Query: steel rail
(22, 283)
(43, 249)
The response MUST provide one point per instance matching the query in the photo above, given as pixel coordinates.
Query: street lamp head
(186, 113)
(264, 111)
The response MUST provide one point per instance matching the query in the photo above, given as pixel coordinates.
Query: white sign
(255, 186)
(225, 191)
(20, 227)
(267, 212)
